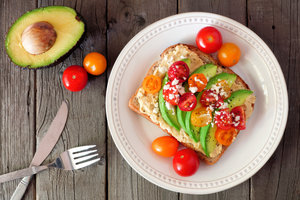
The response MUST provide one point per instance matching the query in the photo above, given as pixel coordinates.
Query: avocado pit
(38, 37)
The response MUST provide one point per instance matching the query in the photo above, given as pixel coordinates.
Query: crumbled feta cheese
(171, 96)
(182, 57)
(166, 87)
(181, 89)
(155, 110)
(237, 118)
(193, 89)
(162, 69)
(168, 105)
(175, 81)
(198, 80)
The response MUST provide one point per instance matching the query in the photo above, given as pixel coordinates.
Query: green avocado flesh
(210, 140)
(168, 115)
(238, 98)
(209, 70)
(67, 25)
(230, 78)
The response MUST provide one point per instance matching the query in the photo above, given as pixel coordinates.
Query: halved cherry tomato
(171, 93)
(225, 137)
(186, 162)
(165, 146)
(94, 63)
(224, 89)
(75, 78)
(209, 40)
(238, 118)
(209, 97)
(187, 102)
(152, 84)
(179, 71)
(197, 80)
(229, 54)
(201, 117)
(223, 119)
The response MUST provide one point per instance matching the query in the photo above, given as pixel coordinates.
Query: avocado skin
(166, 114)
(62, 57)
(238, 98)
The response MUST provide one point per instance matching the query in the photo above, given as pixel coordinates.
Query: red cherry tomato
(185, 162)
(238, 118)
(187, 102)
(165, 146)
(171, 93)
(223, 119)
(75, 78)
(179, 70)
(209, 40)
(209, 97)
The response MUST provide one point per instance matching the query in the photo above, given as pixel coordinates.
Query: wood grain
(17, 98)
(223, 8)
(125, 19)
(277, 22)
(86, 122)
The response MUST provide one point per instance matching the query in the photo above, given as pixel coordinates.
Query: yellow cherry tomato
(229, 54)
(94, 63)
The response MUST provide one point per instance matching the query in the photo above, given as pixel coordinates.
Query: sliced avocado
(193, 131)
(238, 98)
(168, 115)
(210, 140)
(29, 44)
(230, 78)
(187, 61)
(203, 134)
(181, 118)
(209, 70)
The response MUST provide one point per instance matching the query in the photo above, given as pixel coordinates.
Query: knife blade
(45, 147)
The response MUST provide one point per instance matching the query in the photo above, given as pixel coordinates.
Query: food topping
(187, 102)
(198, 81)
(238, 118)
(225, 137)
(151, 84)
(201, 117)
(178, 72)
(223, 119)
(171, 93)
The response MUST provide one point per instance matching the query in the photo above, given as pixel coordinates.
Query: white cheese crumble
(171, 96)
(193, 89)
(198, 80)
(168, 105)
(155, 110)
(181, 89)
(166, 87)
(175, 81)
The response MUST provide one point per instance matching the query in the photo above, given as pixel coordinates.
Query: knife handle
(21, 189)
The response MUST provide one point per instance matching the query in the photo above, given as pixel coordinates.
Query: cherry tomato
(187, 102)
(75, 78)
(238, 118)
(165, 146)
(201, 117)
(223, 119)
(197, 80)
(225, 137)
(223, 88)
(209, 40)
(186, 162)
(209, 97)
(94, 63)
(179, 71)
(229, 54)
(171, 93)
(152, 84)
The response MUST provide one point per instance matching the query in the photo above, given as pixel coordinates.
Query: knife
(45, 147)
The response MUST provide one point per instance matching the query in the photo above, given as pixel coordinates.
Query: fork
(72, 159)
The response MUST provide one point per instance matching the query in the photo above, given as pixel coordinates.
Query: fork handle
(21, 173)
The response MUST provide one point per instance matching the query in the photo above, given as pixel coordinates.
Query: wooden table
(29, 100)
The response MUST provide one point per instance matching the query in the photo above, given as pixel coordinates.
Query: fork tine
(78, 160)
(83, 153)
(82, 148)
(85, 164)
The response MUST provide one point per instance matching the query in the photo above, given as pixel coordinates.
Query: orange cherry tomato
(225, 90)
(229, 54)
(165, 146)
(94, 63)
(225, 137)
(152, 84)
(197, 80)
(201, 117)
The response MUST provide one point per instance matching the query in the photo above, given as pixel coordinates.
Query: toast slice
(147, 104)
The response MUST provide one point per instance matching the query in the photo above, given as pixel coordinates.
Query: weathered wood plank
(223, 8)
(277, 22)
(125, 19)
(17, 99)
(86, 123)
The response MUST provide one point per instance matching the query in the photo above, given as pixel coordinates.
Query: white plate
(133, 134)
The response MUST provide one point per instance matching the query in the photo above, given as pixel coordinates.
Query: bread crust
(134, 105)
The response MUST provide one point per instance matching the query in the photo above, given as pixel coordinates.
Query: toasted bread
(181, 136)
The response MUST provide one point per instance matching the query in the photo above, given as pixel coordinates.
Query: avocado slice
(230, 78)
(210, 140)
(64, 24)
(203, 133)
(191, 130)
(168, 115)
(181, 118)
(238, 98)
(209, 70)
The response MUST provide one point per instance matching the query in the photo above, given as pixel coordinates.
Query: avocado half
(68, 29)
